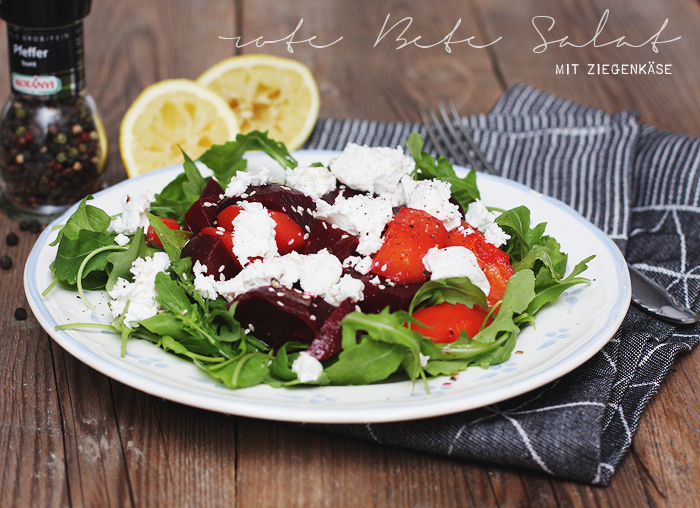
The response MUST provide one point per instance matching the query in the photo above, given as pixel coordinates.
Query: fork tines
(450, 132)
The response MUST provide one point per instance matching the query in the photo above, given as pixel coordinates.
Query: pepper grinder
(53, 146)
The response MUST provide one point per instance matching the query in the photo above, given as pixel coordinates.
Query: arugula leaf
(549, 254)
(84, 233)
(173, 240)
(365, 363)
(464, 190)
(451, 290)
(282, 364)
(227, 159)
(72, 252)
(170, 344)
(472, 352)
(251, 370)
(123, 260)
(194, 183)
(494, 344)
(86, 217)
(177, 197)
(386, 327)
(531, 249)
(549, 289)
(516, 223)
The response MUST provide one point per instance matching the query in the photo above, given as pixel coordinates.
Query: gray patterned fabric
(639, 185)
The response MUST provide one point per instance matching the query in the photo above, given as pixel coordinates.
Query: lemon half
(268, 93)
(168, 115)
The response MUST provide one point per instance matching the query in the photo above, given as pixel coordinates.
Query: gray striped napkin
(639, 185)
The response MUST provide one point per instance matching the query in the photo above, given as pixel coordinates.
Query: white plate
(566, 334)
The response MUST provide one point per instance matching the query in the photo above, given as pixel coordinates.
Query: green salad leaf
(464, 190)
(85, 218)
(227, 159)
(178, 196)
(173, 240)
(450, 290)
(122, 260)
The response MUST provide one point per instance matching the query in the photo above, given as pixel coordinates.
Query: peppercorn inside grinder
(53, 146)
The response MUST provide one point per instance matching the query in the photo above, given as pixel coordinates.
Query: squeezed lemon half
(268, 93)
(171, 114)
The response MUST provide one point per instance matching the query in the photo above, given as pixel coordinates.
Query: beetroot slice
(329, 339)
(330, 197)
(397, 297)
(323, 235)
(276, 316)
(211, 251)
(321, 309)
(202, 213)
(212, 188)
(279, 198)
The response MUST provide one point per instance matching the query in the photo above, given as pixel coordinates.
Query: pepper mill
(53, 146)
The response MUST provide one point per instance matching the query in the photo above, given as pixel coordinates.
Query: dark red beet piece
(323, 235)
(279, 198)
(397, 297)
(329, 339)
(276, 316)
(211, 251)
(212, 188)
(202, 213)
(330, 197)
(321, 309)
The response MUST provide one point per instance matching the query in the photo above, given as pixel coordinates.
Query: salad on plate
(374, 267)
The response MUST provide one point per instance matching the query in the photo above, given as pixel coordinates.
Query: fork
(448, 130)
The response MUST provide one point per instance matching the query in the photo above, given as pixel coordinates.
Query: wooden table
(70, 436)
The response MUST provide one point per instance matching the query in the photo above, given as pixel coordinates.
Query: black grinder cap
(44, 13)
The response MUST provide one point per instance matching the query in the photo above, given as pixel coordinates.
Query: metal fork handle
(485, 164)
(446, 129)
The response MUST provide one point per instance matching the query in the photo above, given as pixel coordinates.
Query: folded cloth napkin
(639, 185)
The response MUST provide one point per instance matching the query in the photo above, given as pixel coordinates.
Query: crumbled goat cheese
(364, 265)
(260, 273)
(134, 213)
(455, 262)
(121, 239)
(347, 287)
(253, 233)
(205, 284)
(319, 272)
(423, 359)
(480, 218)
(307, 368)
(360, 215)
(371, 169)
(433, 196)
(318, 275)
(314, 181)
(464, 231)
(244, 179)
(360, 264)
(140, 294)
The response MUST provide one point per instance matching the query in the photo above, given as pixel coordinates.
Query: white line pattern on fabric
(528, 444)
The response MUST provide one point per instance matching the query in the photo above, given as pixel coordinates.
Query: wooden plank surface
(69, 436)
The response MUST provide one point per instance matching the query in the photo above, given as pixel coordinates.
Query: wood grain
(31, 437)
(69, 436)
(131, 45)
(360, 80)
(637, 21)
